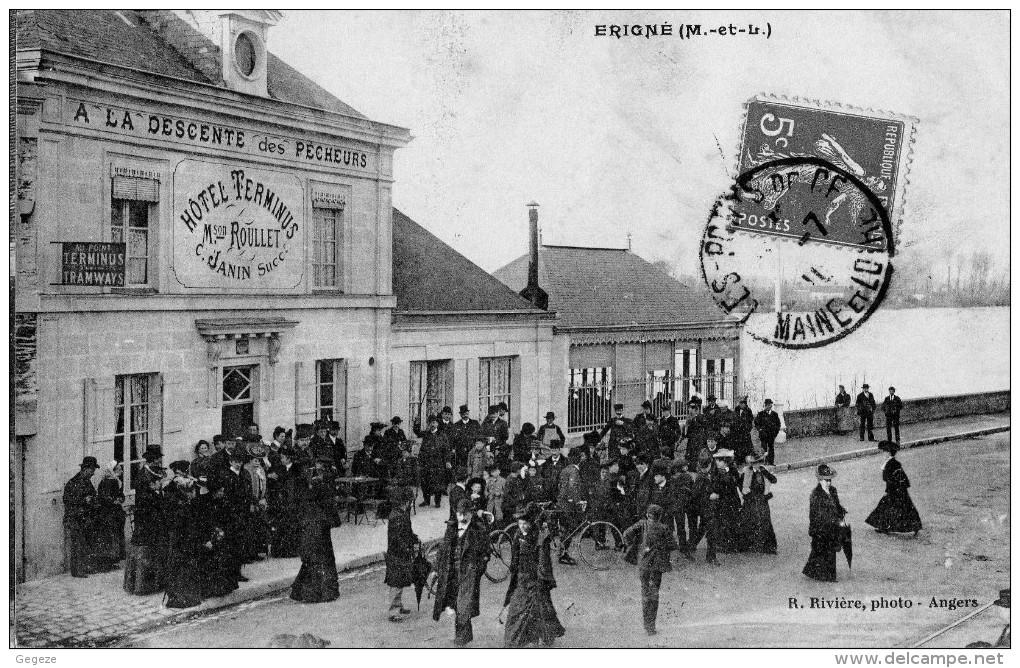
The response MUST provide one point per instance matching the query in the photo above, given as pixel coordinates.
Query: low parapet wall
(832, 420)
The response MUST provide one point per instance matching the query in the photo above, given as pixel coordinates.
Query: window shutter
(353, 422)
(128, 187)
(99, 420)
(173, 407)
(304, 392)
(340, 394)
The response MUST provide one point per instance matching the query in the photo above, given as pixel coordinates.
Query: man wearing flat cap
(463, 556)
(462, 436)
(768, 424)
(617, 427)
(866, 411)
(80, 506)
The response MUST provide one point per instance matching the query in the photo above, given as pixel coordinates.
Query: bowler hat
(825, 472)
(464, 409)
(464, 507)
(768, 402)
(888, 446)
(550, 416)
(395, 419)
(334, 425)
(710, 397)
(695, 401)
(321, 425)
(618, 407)
(527, 429)
(89, 463)
(866, 386)
(646, 404)
(447, 409)
(528, 512)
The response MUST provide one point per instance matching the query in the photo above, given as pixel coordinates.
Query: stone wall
(817, 421)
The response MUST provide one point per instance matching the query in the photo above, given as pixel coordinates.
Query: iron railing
(590, 405)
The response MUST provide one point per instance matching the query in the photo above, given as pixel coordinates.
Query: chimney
(533, 293)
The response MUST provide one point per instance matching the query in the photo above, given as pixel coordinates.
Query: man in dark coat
(826, 527)
(520, 451)
(670, 430)
(653, 560)
(639, 487)
(517, 490)
(395, 433)
(462, 436)
(445, 418)
(237, 500)
(724, 503)
(842, 398)
(568, 502)
(891, 406)
(400, 542)
(768, 425)
(458, 490)
(433, 460)
(866, 411)
(696, 433)
(646, 431)
(80, 505)
(617, 427)
(463, 557)
(550, 472)
(336, 444)
(494, 430)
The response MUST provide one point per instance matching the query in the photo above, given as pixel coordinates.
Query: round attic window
(246, 53)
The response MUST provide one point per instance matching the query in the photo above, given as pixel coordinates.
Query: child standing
(494, 484)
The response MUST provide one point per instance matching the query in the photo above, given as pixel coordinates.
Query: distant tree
(666, 267)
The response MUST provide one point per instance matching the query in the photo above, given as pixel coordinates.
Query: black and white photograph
(582, 329)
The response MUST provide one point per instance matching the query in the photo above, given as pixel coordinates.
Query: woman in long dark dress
(756, 531)
(215, 562)
(895, 511)
(724, 502)
(826, 528)
(184, 576)
(531, 617)
(110, 517)
(317, 581)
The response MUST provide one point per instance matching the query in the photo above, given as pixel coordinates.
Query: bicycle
(599, 543)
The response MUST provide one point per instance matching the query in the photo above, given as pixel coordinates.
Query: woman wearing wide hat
(895, 511)
(756, 532)
(317, 580)
(530, 616)
(826, 527)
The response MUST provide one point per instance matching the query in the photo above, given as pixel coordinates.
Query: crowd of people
(666, 484)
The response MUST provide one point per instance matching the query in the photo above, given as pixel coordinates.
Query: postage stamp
(810, 217)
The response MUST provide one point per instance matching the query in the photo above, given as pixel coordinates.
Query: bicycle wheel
(601, 546)
(501, 546)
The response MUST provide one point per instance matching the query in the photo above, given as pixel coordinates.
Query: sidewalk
(62, 611)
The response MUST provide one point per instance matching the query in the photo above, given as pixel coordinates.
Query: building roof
(124, 38)
(429, 275)
(611, 287)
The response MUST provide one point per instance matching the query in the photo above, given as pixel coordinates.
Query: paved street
(962, 492)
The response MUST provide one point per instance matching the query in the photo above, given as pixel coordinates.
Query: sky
(640, 136)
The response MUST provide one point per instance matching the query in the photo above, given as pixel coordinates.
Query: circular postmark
(809, 228)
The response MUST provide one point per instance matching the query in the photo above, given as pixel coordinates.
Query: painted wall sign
(237, 227)
(188, 131)
(92, 263)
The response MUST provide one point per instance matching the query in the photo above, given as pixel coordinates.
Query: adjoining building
(205, 240)
(626, 332)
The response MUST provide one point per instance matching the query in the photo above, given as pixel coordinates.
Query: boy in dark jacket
(652, 560)
(400, 542)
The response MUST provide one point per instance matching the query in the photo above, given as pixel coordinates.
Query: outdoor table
(359, 489)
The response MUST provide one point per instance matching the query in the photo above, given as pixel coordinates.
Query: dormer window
(246, 51)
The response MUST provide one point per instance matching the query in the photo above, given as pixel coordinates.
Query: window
(129, 223)
(240, 390)
(245, 54)
(328, 374)
(719, 377)
(589, 398)
(137, 408)
(326, 238)
(494, 384)
(429, 391)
